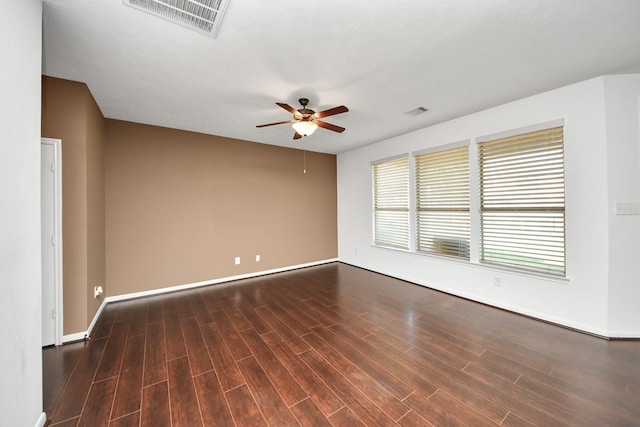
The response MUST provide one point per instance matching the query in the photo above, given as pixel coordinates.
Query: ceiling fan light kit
(305, 128)
(305, 121)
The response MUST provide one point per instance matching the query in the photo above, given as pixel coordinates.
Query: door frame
(57, 232)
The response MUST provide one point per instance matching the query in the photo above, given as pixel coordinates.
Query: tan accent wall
(70, 114)
(180, 206)
(146, 207)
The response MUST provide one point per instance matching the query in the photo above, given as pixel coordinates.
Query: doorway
(51, 223)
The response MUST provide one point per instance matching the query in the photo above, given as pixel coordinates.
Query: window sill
(480, 265)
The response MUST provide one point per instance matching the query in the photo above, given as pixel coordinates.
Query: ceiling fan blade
(276, 123)
(329, 126)
(332, 111)
(288, 107)
(297, 136)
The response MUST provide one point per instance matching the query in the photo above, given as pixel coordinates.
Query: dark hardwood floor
(335, 345)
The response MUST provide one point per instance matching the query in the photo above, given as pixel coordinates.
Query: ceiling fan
(306, 121)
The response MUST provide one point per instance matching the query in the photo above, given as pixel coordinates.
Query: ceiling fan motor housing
(306, 113)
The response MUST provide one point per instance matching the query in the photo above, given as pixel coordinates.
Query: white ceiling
(379, 58)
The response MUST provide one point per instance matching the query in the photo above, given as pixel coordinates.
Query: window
(442, 202)
(522, 201)
(499, 202)
(391, 203)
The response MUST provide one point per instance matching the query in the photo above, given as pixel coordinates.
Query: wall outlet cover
(97, 291)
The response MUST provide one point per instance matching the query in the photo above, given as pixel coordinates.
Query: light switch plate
(627, 208)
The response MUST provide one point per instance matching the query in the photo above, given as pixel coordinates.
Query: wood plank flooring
(335, 345)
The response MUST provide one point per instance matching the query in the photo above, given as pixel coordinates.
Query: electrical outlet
(97, 291)
(627, 208)
(257, 258)
(497, 282)
(237, 260)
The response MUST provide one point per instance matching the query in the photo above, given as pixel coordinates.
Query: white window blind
(522, 201)
(442, 201)
(391, 203)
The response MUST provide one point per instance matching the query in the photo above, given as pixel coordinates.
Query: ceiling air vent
(417, 111)
(203, 16)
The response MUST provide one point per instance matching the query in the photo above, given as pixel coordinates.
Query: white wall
(622, 102)
(581, 301)
(21, 355)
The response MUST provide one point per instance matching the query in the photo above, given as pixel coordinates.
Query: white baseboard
(561, 322)
(633, 335)
(96, 317)
(519, 310)
(124, 297)
(41, 420)
(78, 336)
(134, 295)
(602, 333)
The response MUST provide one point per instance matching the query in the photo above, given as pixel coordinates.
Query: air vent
(417, 111)
(203, 16)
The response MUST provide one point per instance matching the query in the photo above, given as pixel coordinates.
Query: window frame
(456, 240)
(401, 205)
(535, 208)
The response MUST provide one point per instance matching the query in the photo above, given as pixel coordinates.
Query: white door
(51, 243)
